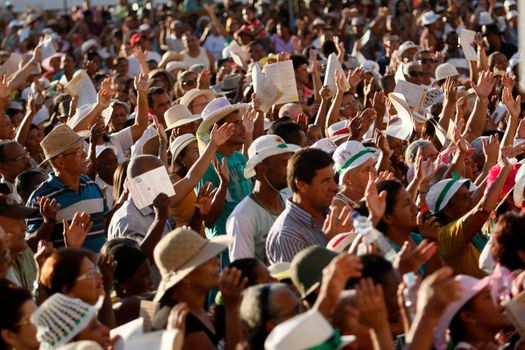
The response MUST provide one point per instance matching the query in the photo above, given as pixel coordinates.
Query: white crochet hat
(61, 318)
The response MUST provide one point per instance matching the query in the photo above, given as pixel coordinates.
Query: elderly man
(14, 159)
(252, 218)
(69, 190)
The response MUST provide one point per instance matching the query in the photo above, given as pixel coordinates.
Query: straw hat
(263, 147)
(228, 85)
(61, 318)
(60, 139)
(280, 271)
(179, 143)
(179, 115)
(215, 111)
(309, 330)
(180, 252)
(192, 94)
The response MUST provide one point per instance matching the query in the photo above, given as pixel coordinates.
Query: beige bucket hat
(192, 94)
(180, 252)
(179, 115)
(58, 141)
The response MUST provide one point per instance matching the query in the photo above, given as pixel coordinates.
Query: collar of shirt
(300, 213)
(56, 183)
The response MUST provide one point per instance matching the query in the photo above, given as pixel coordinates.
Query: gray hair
(411, 151)
(252, 306)
(285, 110)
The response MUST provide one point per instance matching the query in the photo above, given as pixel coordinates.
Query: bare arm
(478, 117)
(141, 119)
(23, 129)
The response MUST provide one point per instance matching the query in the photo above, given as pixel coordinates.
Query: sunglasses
(416, 74)
(189, 82)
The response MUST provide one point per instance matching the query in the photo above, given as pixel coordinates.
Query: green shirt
(238, 188)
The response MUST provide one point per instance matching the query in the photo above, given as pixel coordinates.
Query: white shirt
(107, 190)
(134, 66)
(248, 225)
(122, 141)
(150, 131)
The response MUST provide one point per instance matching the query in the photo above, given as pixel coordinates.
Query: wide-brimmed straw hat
(192, 94)
(179, 115)
(215, 111)
(180, 252)
(59, 140)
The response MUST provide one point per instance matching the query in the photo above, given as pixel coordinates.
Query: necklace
(272, 212)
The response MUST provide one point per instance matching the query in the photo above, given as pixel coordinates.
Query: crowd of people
(263, 174)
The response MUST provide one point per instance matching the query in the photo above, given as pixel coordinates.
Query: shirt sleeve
(240, 228)
(35, 220)
(451, 238)
(124, 137)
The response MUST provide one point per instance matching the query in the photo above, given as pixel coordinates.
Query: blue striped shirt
(89, 199)
(293, 231)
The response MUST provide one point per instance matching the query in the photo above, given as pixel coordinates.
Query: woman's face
(25, 336)
(191, 154)
(481, 306)
(140, 281)
(88, 286)
(404, 213)
(96, 332)
(206, 276)
(34, 138)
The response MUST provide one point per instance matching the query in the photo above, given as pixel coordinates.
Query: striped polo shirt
(293, 231)
(89, 199)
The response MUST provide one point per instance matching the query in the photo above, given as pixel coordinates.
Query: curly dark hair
(509, 240)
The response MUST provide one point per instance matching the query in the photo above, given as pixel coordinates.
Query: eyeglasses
(78, 153)
(91, 274)
(189, 82)
(17, 158)
(416, 74)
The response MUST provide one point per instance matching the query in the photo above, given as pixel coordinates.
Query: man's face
(321, 190)
(73, 161)
(274, 169)
(239, 136)
(415, 74)
(7, 130)
(257, 52)
(15, 229)
(301, 74)
(161, 103)
(198, 104)
(15, 161)
(190, 41)
(357, 178)
(107, 164)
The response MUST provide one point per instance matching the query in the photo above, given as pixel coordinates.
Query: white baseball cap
(349, 155)
(440, 193)
(263, 147)
(445, 70)
(102, 148)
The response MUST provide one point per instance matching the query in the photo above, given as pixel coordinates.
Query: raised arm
(103, 99)
(21, 76)
(513, 107)
(23, 129)
(449, 103)
(141, 119)
(478, 117)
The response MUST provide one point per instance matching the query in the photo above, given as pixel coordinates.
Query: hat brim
(358, 162)
(249, 169)
(184, 121)
(62, 150)
(175, 153)
(188, 98)
(207, 124)
(211, 249)
(19, 212)
(455, 187)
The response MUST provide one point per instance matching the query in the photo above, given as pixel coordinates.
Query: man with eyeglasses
(22, 269)
(66, 192)
(413, 72)
(14, 159)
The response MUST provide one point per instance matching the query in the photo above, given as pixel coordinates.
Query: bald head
(142, 164)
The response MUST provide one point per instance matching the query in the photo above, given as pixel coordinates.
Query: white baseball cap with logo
(349, 155)
(440, 193)
(263, 147)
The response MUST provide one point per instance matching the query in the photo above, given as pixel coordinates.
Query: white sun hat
(326, 145)
(192, 94)
(349, 155)
(101, 148)
(179, 143)
(407, 45)
(305, 331)
(440, 193)
(215, 111)
(179, 115)
(339, 130)
(445, 70)
(264, 147)
(61, 318)
(429, 17)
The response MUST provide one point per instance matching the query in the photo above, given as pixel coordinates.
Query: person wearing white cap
(251, 220)
(413, 72)
(196, 99)
(431, 38)
(444, 71)
(406, 51)
(460, 240)
(353, 164)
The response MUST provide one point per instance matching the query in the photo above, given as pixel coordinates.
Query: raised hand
(371, 304)
(512, 105)
(219, 135)
(231, 285)
(376, 203)
(222, 169)
(337, 221)
(97, 130)
(325, 93)
(248, 120)
(256, 103)
(75, 233)
(507, 81)
(4, 86)
(485, 85)
(161, 131)
(356, 76)
(104, 97)
(48, 208)
(107, 266)
(437, 291)
(44, 251)
(205, 198)
(340, 81)
(449, 89)
(338, 272)
(161, 206)
(140, 54)
(204, 79)
(142, 83)
(379, 103)
(490, 148)
(410, 260)
(428, 228)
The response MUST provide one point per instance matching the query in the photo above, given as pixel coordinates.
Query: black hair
(457, 326)
(247, 267)
(375, 267)
(129, 259)
(392, 188)
(290, 132)
(509, 240)
(303, 165)
(154, 91)
(328, 48)
(298, 61)
(12, 298)
(24, 180)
